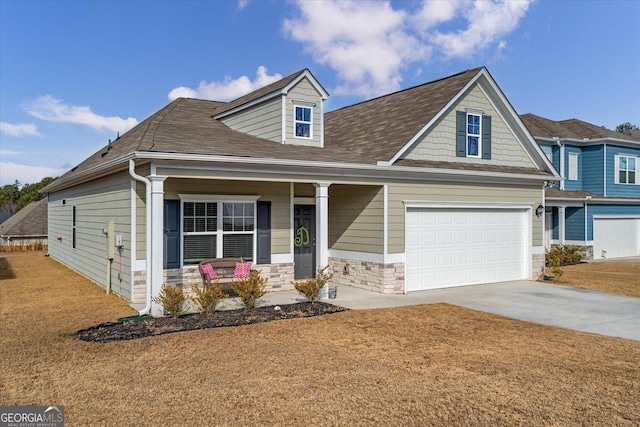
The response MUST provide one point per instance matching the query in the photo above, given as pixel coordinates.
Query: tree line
(16, 196)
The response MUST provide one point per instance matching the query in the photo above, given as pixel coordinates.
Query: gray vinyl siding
(303, 91)
(439, 142)
(275, 192)
(454, 192)
(96, 203)
(263, 120)
(356, 218)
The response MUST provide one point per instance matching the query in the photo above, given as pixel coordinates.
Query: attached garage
(448, 247)
(615, 237)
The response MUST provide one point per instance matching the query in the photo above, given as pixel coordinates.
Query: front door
(304, 240)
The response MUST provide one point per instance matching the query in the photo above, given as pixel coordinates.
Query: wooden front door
(304, 240)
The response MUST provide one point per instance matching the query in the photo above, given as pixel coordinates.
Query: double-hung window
(626, 168)
(73, 227)
(474, 138)
(573, 166)
(218, 229)
(302, 121)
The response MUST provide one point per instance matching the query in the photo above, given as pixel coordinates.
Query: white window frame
(478, 135)
(573, 166)
(308, 106)
(74, 227)
(219, 233)
(617, 169)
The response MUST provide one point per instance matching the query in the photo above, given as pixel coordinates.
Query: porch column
(322, 229)
(155, 260)
(561, 220)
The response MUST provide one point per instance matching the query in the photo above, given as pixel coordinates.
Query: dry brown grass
(422, 365)
(621, 278)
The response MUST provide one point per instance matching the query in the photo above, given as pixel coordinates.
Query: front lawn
(422, 365)
(613, 277)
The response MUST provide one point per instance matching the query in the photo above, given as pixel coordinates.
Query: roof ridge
(162, 116)
(407, 89)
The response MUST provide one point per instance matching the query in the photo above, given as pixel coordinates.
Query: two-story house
(433, 186)
(597, 205)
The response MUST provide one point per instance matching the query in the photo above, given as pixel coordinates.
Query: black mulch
(129, 330)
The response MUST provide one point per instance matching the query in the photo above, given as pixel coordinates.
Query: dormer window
(302, 121)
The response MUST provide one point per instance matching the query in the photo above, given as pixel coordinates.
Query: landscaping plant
(250, 288)
(173, 300)
(310, 288)
(208, 298)
(561, 256)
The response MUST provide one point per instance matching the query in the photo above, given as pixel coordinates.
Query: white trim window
(626, 170)
(218, 229)
(474, 135)
(573, 166)
(303, 121)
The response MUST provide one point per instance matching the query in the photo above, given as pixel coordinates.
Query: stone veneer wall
(373, 276)
(585, 251)
(279, 278)
(537, 266)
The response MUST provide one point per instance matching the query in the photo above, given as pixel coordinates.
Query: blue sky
(73, 73)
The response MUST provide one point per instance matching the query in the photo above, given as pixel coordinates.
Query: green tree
(626, 128)
(29, 192)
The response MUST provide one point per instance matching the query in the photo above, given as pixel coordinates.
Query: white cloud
(10, 153)
(227, 89)
(369, 44)
(242, 4)
(19, 129)
(25, 174)
(365, 42)
(52, 109)
(487, 22)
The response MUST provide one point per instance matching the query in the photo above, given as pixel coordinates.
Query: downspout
(561, 155)
(147, 183)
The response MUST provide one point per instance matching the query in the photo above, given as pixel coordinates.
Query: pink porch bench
(223, 270)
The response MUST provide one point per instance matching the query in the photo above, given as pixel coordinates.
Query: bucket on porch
(333, 293)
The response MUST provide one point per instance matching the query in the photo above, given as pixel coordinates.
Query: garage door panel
(616, 237)
(464, 247)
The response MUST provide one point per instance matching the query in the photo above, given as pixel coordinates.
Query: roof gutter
(147, 184)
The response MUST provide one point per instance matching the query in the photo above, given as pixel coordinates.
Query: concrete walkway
(572, 308)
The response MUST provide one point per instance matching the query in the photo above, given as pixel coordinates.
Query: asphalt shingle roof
(571, 128)
(29, 221)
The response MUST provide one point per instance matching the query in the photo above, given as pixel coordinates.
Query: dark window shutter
(461, 134)
(264, 232)
(171, 234)
(486, 137)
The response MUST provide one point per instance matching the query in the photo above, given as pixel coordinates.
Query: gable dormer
(289, 111)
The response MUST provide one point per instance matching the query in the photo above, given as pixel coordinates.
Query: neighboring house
(597, 206)
(5, 216)
(28, 226)
(432, 186)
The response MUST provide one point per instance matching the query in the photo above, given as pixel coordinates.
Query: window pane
(211, 224)
(238, 245)
(189, 225)
(298, 113)
(200, 225)
(189, 209)
(623, 163)
(472, 149)
(303, 129)
(197, 248)
(631, 163)
(212, 209)
(200, 209)
(622, 177)
(632, 177)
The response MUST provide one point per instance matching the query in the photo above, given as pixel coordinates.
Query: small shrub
(208, 298)
(250, 288)
(557, 272)
(173, 300)
(310, 288)
(560, 256)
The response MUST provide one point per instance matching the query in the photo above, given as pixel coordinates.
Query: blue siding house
(597, 205)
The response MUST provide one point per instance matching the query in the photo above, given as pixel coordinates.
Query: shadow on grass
(5, 270)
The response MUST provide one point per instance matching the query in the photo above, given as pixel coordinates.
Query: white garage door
(457, 247)
(616, 237)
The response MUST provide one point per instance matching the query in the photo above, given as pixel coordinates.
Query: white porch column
(561, 220)
(155, 260)
(322, 229)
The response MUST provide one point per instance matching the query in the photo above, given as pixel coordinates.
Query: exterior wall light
(539, 210)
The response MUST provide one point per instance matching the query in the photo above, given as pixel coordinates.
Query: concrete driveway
(563, 306)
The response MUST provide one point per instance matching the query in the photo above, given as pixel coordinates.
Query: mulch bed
(129, 330)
